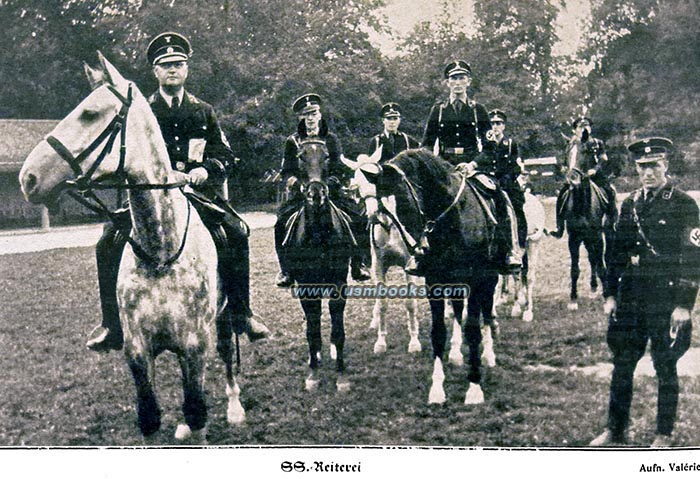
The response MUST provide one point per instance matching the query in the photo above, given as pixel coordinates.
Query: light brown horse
(167, 288)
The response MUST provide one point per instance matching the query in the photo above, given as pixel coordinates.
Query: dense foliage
(634, 74)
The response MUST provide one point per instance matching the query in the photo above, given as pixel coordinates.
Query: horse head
(89, 144)
(366, 172)
(313, 158)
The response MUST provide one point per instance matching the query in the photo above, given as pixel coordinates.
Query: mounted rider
(503, 161)
(594, 161)
(312, 126)
(391, 139)
(197, 148)
(456, 130)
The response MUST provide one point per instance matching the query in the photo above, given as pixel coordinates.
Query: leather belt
(455, 151)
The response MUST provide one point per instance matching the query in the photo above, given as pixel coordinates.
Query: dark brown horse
(319, 245)
(583, 212)
(436, 203)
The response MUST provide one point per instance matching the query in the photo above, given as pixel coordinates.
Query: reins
(83, 187)
(428, 225)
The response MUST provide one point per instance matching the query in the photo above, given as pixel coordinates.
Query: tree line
(634, 73)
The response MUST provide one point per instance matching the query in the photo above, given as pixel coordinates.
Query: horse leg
(529, 278)
(438, 336)
(235, 414)
(380, 307)
(194, 406)
(412, 322)
(455, 357)
(472, 334)
(574, 245)
(490, 327)
(312, 311)
(337, 310)
(142, 367)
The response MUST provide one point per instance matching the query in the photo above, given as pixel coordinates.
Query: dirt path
(25, 241)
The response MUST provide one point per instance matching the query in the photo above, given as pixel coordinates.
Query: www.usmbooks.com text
(382, 291)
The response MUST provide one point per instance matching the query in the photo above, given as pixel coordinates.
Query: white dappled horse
(168, 286)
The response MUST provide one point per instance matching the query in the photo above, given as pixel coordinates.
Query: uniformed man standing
(593, 164)
(650, 289)
(312, 125)
(198, 148)
(503, 162)
(391, 140)
(456, 130)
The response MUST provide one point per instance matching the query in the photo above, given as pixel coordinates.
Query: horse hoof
(311, 382)
(380, 347)
(183, 432)
(342, 385)
(516, 311)
(436, 395)
(572, 306)
(235, 415)
(489, 358)
(456, 358)
(527, 316)
(414, 346)
(475, 395)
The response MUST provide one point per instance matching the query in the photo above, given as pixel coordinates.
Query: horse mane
(428, 172)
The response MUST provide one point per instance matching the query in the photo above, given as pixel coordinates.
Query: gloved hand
(198, 176)
(292, 184)
(466, 168)
(610, 306)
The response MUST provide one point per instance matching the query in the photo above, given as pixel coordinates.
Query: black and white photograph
(357, 237)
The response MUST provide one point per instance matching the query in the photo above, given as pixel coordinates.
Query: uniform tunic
(500, 160)
(392, 144)
(194, 120)
(653, 269)
(459, 132)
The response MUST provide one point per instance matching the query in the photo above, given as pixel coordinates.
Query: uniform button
(638, 243)
(175, 124)
(457, 134)
(177, 148)
(670, 283)
(177, 138)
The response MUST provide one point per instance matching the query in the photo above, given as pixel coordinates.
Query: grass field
(55, 392)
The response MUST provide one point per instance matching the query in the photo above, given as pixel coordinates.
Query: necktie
(649, 197)
(458, 105)
(175, 104)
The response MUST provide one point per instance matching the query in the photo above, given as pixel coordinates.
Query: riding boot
(559, 215)
(108, 251)
(284, 278)
(234, 270)
(359, 263)
(508, 226)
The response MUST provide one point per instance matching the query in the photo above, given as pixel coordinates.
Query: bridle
(428, 225)
(82, 187)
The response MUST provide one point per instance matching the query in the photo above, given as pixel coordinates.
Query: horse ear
(353, 165)
(111, 74)
(377, 155)
(95, 77)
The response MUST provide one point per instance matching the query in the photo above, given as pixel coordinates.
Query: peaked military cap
(307, 103)
(580, 119)
(168, 47)
(458, 67)
(649, 150)
(497, 115)
(390, 109)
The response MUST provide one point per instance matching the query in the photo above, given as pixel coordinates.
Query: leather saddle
(297, 225)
